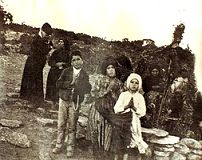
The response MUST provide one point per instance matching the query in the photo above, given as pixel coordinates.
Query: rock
(192, 143)
(13, 95)
(46, 121)
(164, 149)
(51, 130)
(161, 154)
(166, 140)
(10, 123)
(182, 148)
(197, 152)
(193, 157)
(177, 156)
(154, 132)
(44, 155)
(14, 138)
(160, 158)
(82, 121)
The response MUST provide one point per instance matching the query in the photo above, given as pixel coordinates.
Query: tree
(5, 17)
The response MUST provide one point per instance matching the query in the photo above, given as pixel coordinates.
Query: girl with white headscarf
(132, 100)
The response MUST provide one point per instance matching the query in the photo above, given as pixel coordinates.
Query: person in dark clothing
(58, 61)
(152, 87)
(32, 79)
(153, 81)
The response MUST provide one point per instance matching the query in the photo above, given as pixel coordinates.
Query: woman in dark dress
(32, 79)
(57, 61)
(152, 86)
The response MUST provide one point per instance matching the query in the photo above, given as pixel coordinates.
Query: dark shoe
(57, 150)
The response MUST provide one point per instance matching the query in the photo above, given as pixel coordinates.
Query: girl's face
(134, 85)
(155, 72)
(77, 62)
(110, 71)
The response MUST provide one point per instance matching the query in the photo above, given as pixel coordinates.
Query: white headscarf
(134, 76)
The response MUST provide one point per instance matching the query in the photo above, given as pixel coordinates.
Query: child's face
(134, 85)
(110, 71)
(77, 62)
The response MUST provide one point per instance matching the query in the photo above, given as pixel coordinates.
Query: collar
(76, 71)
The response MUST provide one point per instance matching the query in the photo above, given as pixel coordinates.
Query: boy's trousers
(67, 121)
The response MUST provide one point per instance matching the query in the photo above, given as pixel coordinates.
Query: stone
(193, 157)
(196, 151)
(51, 130)
(192, 143)
(14, 138)
(13, 95)
(44, 155)
(46, 121)
(154, 132)
(164, 149)
(161, 154)
(177, 156)
(182, 148)
(10, 123)
(160, 158)
(166, 140)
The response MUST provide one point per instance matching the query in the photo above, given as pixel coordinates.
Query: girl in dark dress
(58, 61)
(32, 79)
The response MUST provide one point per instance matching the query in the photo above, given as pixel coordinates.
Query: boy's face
(134, 85)
(77, 62)
(111, 71)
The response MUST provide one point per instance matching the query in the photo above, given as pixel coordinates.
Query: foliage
(5, 17)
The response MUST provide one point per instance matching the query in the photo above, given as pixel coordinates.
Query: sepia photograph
(100, 80)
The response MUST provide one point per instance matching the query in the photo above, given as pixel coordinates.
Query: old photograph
(100, 80)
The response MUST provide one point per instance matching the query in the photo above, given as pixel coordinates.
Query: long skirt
(32, 80)
(51, 90)
(99, 130)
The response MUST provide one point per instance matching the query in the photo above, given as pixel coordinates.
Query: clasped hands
(130, 105)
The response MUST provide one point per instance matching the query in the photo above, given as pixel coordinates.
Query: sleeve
(52, 59)
(62, 81)
(119, 107)
(40, 47)
(141, 109)
(87, 85)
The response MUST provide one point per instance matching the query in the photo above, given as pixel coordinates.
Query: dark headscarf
(109, 61)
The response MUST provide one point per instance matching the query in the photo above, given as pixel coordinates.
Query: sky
(118, 19)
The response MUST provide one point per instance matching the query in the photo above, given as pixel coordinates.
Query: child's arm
(141, 109)
(120, 107)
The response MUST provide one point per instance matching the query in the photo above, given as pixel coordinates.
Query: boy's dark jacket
(81, 87)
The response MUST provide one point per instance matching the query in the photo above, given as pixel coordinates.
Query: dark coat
(32, 79)
(60, 55)
(81, 87)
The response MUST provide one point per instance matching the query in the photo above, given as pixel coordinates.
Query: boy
(73, 84)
